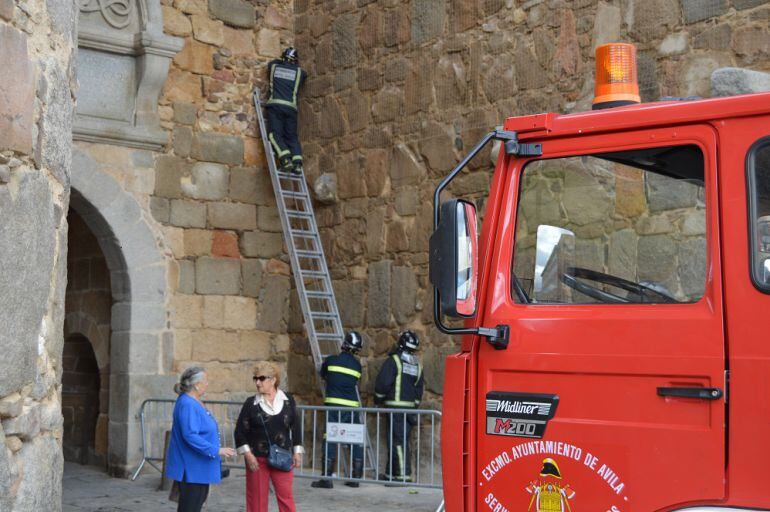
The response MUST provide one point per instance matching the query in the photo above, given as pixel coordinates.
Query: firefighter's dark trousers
(400, 429)
(282, 132)
(332, 449)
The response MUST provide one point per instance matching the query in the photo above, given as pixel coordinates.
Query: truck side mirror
(454, 259)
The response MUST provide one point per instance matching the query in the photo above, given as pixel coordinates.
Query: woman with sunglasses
(269, 417)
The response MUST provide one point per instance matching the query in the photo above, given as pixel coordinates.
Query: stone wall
(399, 90)
(190, 231)
(36, 104)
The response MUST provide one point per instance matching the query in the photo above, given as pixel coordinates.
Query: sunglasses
(261, 378)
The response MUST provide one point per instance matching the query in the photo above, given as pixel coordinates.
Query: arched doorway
(86, 354)
(134, 350)
(80, 403)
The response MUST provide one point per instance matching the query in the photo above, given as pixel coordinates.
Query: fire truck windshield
(620, 227)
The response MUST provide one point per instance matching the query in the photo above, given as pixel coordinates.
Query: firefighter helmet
(408, 340)
(550, 468)
(290, 54)
(353, 341)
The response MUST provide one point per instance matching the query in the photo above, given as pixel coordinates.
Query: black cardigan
(284, 428)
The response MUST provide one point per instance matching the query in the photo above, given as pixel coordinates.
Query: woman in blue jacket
(193, 458)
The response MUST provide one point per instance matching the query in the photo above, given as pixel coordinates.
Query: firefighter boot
(286, 164)
(324, 483)
(358, 472)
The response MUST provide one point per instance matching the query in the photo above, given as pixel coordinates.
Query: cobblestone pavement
(88, 489)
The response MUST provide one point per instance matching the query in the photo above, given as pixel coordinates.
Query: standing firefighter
(286, 77)
(342, 374)
(400, 385)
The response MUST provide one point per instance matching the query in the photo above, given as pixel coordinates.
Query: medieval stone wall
(399, 90)
(36, 104)
(189, 228)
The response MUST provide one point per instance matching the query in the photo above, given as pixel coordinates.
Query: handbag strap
(267, 433)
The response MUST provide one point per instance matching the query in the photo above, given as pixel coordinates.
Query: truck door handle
(694, 392)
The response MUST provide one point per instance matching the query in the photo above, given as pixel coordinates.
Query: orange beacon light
(616, 82)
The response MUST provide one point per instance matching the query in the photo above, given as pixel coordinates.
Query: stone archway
(140, 343)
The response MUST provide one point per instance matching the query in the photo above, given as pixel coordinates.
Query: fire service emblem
(549, 494)
(519, 414)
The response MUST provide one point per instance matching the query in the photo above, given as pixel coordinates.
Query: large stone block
(207, 181)
(733, 81)
(699, 10)
(344, 41)
(40, 486)
(169, 171)
(325, 188)
(236, 13)
(240, 313)
(274, 304)
(350, 302)
(188, 214)
(656, 257)
(259, 244)
(17, 91)
(428, 18)
(27, 248)
(607, 24)
(217, 276)
(403, 294)
(207, 30)
(216, 147)
(378, 298)
(622, 254)
(243, 185)
(251, 274)
(196, 57)
(269, 220)
(666, 194)
(6, 13)
(652, 18)
(405, 169)
(175, 22)
(232, 215)
(692, 267)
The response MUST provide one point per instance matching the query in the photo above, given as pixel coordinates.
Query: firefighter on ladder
(342, 372)
(286, 78)
(400, 385)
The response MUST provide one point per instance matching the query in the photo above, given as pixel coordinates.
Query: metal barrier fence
(420, 450)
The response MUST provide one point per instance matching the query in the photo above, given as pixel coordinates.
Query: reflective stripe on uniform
(346, 371)
(400, 403)
(341, 401)
(297, 157)
(399, 367)
(276, 147)
(276, 101)
(400, 452)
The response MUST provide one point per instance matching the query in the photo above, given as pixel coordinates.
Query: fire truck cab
(614, 356)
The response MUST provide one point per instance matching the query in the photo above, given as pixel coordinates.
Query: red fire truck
(614, 356)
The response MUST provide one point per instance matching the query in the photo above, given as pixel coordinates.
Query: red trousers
(258, 490)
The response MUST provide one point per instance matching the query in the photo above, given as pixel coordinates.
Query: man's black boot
(358, 472)
(324, 483)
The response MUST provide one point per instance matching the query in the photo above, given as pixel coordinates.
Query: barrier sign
(348, 433)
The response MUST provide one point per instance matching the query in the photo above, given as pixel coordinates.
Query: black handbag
(277, 457)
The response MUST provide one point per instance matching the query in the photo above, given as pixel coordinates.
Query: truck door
(610, 395)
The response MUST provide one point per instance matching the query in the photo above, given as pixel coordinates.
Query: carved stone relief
(123, 62)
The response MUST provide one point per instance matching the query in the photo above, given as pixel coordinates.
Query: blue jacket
(193, 452)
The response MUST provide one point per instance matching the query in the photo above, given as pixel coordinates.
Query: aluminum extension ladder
(308, 263)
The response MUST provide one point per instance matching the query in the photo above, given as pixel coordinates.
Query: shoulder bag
(277, 457)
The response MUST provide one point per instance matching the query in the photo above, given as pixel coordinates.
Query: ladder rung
(328, 336)
(316, 274)
(288, 176)
(320, 314)
(319, 295)
(294, 195)
(309, 254)
(303, 233)
(299, 214)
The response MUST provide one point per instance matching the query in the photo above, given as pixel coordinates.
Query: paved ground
(88, 489)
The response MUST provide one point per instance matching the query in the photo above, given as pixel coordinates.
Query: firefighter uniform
(286, 78)
(400, 385)
(342, 373)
